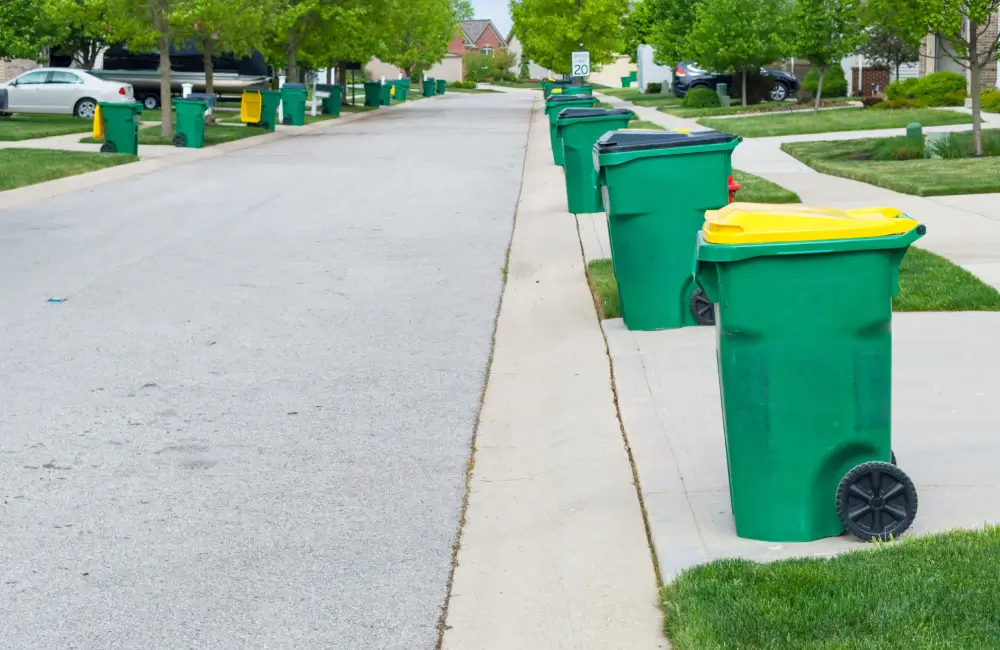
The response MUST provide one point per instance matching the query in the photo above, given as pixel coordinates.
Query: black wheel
(287, 120)
(702, 308)
(151, 102)
(778, 92)
(876, 501)
(263, 125)
(108, 147)
(180, 140)
(892, 458)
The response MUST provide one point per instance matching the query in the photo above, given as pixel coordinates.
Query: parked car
(62, 90)
(688, 75)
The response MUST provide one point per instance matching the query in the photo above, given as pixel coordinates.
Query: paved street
(248, 423)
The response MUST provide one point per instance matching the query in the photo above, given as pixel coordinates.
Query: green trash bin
(269, 102)
(633, 75)
(385, 94)
(399, 87)
(121, 127)
(373, 93)
(332, 103)
(429, 88)
(570, 89)
(546, 87)
(293, 104)
(553, 105)
(442, 85)
(190, 122)
(555, 87)
(656, 187)
(579, 129)
(626, 82)
(803, 298)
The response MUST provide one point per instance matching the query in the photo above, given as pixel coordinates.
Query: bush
(938, 89)
(891, 104)
(897, 149)
(871, 102)
(900, 89)
(990, 101)
(700, 98)
(464, 84)
(834, 82)
(949, 146)
(654, 88)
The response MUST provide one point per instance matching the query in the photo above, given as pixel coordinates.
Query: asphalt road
(248, 424)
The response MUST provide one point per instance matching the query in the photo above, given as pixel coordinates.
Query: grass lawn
(643, 99)
(29, 166)
(644, 124)
(847, 119)
(932, 592)
(754, 189)
(927, 282)
(534, 85)
(923, 177)
(29, 127)
(735, 109)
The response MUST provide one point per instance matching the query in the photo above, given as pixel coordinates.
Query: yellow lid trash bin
(98, 124)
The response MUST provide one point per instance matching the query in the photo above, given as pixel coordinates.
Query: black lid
(639, 140)
(294, 85)
(578, 113)
(566, 98)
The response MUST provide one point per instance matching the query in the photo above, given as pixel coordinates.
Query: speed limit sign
(581, 64)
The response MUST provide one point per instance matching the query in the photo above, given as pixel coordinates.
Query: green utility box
(553, 105)
(803, 300)
(429, 87)
(332, 103)
(577, 90)
(121, 127)
(442, 85)
(190, 122)
(373, 93)
(293, 104)
(656, 187)
(579, 129)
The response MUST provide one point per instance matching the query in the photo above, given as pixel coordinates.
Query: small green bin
(429, 88)
(332, 103)
(190, 122)
(269, 102)
(579, 129)
(293, 104)
(656, 187)
(553, 105)
(399, 87)
(626, 82)
(385, 94)
(121, 127)
(803, 298)
(577, 90)
(549, 86)
(373, 94)
(442, 85)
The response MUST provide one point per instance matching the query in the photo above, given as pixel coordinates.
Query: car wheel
(150, 102)
(85, 108)
(779, 92)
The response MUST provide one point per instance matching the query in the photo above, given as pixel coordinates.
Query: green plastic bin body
(269, 102)
(546, 88)
(442, 85)
(400, 87)
(373, 93)
(121, 127)
(579, 129)
(626, 81)
(577, 90)
(656, 200)
(805, 371)
(555, 104)
(633, 75)
(190, 122)
(429, 87)
(293, 106)
(385, 94)
(332, 103)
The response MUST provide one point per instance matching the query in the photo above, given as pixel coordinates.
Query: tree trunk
(209, 69)
(744, 87)
(292, 70)
(975, 63)
(898, 64)
(329, 73)
(167, 123)
(342, 80)
(819, 88)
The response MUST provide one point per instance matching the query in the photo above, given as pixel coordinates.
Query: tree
(463, 10)
(418, 33)
(759, 26)
(826, 31)
(639, 27)
(83, 28)
(672, 22)
(551, 30)
(295, 22)
(892, 40)
(24, 29)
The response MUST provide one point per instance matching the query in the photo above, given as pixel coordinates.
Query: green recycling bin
(633, 75)
(556, 86)
(570, 89)
(442, 85)
(269, 102)
(385, 94)
(399, 90)
(626, 82)
(190, 122)
(553, 105)
(803, 298)
(332, 102)
(656, 187)
(429, 88)
(373, 93)
(293, 104)
(579, 129)
(121, 127)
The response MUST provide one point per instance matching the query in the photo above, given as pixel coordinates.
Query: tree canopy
(551, 30)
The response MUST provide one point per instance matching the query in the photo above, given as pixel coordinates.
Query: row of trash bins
(801, 300)
(118, 123)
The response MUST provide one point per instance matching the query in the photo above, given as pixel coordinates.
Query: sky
(495, 10)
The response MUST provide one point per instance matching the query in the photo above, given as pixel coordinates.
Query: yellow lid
(763, 223)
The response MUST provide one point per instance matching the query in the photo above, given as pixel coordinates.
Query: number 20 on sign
(581, 64)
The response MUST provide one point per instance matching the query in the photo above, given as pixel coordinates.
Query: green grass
(925, 177)
(736, 109)
(754, 189)
(645, 124)
(927, 282)
(847, 119)
(643, 99)
(935, 592)
(29, 166)
(604, 105)
(29, 127)
(534, 85)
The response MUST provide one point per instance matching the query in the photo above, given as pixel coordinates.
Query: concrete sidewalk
(553, 554)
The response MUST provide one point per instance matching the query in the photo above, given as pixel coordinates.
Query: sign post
(581, 64)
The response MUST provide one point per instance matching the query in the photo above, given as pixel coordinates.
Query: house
(10, 69)
(934, 57)
(473, 36)
(535, 71)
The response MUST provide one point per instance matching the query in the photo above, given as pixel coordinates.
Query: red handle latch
(733, 189)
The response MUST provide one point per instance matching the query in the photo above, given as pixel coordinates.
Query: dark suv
(689, 75)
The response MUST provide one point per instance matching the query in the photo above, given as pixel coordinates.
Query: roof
(473, 30)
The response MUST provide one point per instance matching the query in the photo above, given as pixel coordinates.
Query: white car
(62, 90)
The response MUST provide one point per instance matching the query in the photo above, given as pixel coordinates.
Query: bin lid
(763, 223)
(641, 140)
(587, 113)
(294, 85)
(567, 98)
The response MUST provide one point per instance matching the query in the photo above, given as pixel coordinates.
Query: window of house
(487, 50)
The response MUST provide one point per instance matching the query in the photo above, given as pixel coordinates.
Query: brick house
(472, 36)
(933, 57)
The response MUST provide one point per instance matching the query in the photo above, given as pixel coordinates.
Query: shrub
(870, 102)
(897, 149)
(949, 146)
(938, 89)
(891, 104)
(834, 82)
(900, 89)
(464, 84)
(700, 98)
(991, 143)
(990, 101)
(654, 88)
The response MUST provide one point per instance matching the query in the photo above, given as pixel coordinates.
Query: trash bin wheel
(702, 308)
(287, 121)
(108, 147)
(876, 501)
(892, 457)
(180, 140)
